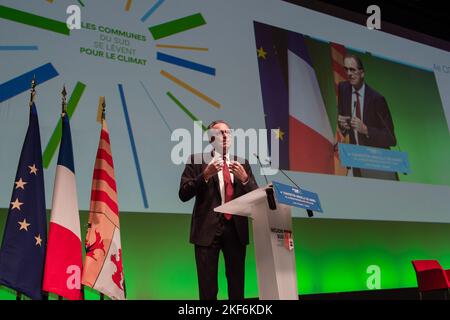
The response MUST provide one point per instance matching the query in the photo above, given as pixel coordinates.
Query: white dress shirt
(217, 155)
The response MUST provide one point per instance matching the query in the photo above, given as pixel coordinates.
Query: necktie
(227, 185)
(358, 111)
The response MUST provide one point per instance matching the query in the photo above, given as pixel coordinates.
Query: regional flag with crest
(23, 247)
(63, 262)
(103, 268)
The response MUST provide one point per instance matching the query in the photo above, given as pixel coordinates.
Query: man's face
(222, 137)
(354, 74)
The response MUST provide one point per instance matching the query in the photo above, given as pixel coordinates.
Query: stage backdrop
(304, 104)
(161, 65)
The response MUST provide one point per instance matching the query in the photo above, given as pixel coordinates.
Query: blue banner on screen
(296, 197)
(356, 156)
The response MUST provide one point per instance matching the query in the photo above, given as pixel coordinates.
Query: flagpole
(102, 296)
(32, 95)
(63, 114)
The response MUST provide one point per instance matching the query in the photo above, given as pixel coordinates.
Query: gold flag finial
(101, 109)
(33, 90)
(64, 101)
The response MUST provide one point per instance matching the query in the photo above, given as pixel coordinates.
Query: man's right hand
(212, 168)
(344, 122)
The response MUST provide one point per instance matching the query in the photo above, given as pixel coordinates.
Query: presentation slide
(270, 66)
(297, 73)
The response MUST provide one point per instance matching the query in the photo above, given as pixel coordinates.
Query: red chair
(431, 276)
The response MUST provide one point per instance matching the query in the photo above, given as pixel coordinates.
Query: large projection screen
(160, 67)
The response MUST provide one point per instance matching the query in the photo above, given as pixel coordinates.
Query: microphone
(271, 198)
(269, 191)
(352, 114)
(260, 165)
(310, 212)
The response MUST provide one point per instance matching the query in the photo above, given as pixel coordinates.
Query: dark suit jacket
(205, 221)
(376, 117)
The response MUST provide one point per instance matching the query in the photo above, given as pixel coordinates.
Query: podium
(274, 246)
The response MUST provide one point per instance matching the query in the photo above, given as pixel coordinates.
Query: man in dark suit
(363, 114)
(214, 179)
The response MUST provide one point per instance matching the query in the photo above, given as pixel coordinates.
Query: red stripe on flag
(63, 263)
(104, 135)
(101, 196)
(103, 175)
(309, 151)
(338, 66)
(338, 78)
(339, 69)
(339, 48)
(105, 155)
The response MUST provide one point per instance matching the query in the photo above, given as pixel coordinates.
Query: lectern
(274, 246)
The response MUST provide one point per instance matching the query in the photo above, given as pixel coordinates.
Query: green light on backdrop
(331, 255)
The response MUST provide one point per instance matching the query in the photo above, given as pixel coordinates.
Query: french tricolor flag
(292, 101)
(311, 136)
(63, 263)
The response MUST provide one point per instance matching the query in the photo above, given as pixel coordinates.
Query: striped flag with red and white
(63, 262)
(103, 268)
(338, 53)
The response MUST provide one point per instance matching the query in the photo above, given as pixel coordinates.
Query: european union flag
(24, 243)
(271, 43)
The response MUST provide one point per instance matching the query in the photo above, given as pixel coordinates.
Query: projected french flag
(311, 143)
(292, 101)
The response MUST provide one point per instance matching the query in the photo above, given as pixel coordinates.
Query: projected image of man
(364, 115)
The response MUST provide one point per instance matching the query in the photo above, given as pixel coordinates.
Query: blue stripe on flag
(296, 44)
(274, 88)
(65, 157)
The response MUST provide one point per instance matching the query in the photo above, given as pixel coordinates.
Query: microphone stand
(269, 191)
(308, 211)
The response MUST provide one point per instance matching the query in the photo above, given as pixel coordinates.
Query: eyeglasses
(218, 132)
(226, 132)
(351, 70)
